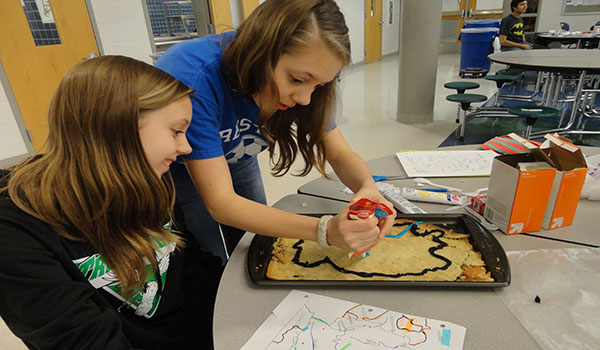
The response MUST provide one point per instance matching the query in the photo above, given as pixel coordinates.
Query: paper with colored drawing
(310, 321)
(447, 163)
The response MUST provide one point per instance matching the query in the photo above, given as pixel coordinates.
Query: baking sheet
(259, 255)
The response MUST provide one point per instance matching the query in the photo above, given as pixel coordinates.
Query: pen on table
(378, 178)
(433, 189)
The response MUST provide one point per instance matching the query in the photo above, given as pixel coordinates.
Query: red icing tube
(364, 209)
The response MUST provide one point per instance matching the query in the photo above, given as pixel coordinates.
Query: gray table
(241, 306)
(570, 38)
(584, 231)
(554, 60)
(390, 166)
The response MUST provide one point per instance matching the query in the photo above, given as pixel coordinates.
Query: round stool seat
(466, 99)
(501, 79)
(461, 86)
(531, 113)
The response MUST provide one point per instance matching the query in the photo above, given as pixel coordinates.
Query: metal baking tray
(260, 252)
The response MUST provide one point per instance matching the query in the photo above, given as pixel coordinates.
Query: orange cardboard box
(519, 189)
(568, 181)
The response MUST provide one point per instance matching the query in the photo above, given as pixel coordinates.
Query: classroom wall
(354, 12)
(122, 28)
(551, 16)
(12, 145)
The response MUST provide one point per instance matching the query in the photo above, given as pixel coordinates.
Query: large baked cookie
(424, 252)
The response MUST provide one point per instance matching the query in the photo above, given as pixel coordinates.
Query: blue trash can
(476, 46)
(482, 23)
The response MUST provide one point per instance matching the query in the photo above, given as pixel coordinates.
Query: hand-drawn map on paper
(310, 321)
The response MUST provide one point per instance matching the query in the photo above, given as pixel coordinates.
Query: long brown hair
(280, 27)
(94, 183)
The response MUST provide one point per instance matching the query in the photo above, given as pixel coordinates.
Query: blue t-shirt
(224, 123)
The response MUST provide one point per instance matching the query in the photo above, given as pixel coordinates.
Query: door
(456, 12)
(248, 6)
(453, 18)
(373, 23)
(220, 14)
(484, 9)
(36, 59)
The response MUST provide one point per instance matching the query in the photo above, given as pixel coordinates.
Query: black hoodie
(56, 293)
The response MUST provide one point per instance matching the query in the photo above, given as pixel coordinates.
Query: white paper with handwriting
(447, 163)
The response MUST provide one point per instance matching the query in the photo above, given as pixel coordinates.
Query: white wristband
(322, 231)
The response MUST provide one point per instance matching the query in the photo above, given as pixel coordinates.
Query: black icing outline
(413, 230)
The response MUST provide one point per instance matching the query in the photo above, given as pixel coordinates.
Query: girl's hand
(373, 194)
(355, 235)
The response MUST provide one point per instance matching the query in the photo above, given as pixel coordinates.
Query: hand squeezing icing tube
(364, 209)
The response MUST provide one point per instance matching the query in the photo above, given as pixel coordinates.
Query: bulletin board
(581, 7)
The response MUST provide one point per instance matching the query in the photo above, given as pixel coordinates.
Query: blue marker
(433, 189)
(378, 178)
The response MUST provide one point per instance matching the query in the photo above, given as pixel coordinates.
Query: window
(41, 22)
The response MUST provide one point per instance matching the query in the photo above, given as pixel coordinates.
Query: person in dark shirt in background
(512, 36)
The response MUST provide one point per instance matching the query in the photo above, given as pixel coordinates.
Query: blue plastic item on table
(433, 189)
(378, 178)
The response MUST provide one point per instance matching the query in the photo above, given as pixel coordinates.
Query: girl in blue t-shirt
(270, 84)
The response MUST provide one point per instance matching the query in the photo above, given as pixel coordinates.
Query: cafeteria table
(242, 306)
(570, 38)
(577, 61)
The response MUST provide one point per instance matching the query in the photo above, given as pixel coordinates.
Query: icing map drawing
(310, 321)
